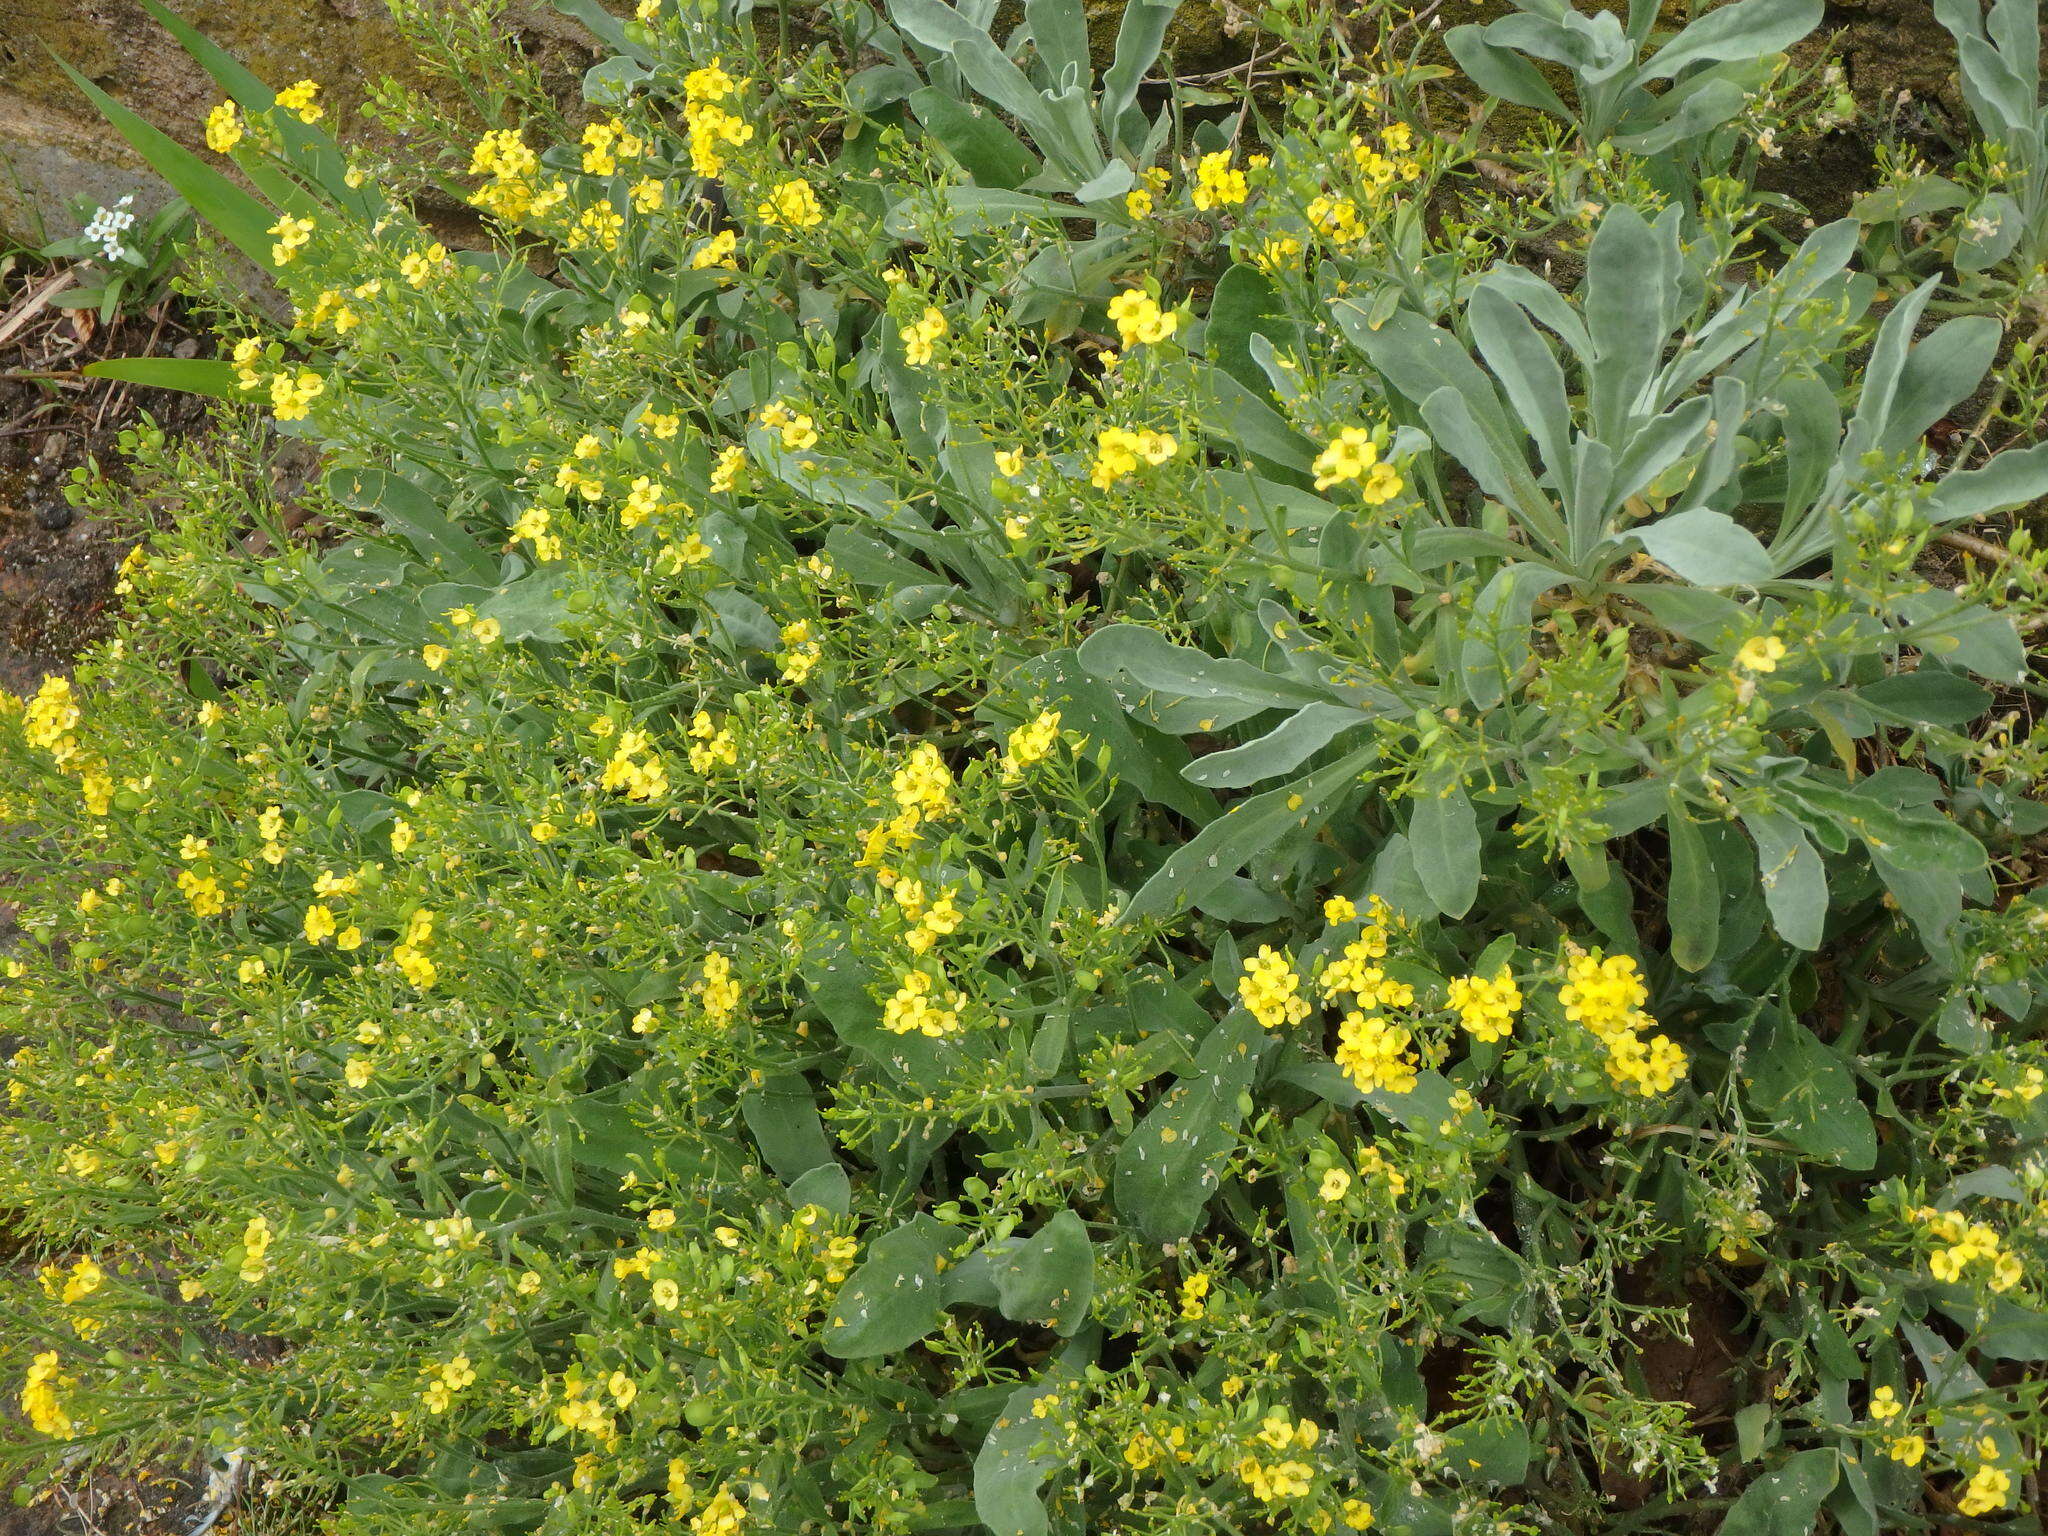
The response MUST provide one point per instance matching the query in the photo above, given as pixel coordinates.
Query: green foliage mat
(1003, 794)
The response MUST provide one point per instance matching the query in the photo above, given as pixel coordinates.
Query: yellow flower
(921, 336)
(1140, 320)
(292, 235)
(223, 128)
(1347, 457)
(1885, 1405)
(298, 100)
(1374, 1054)
(1031, 742)
(319, 923)
(1194, 1292)
(359, 1071)
(1760, 653)
(417, 266)
(1487, 1009)
(1988, 1489)
(1270, 990)
(1217, 185)
(1336, 1184)
(667, 1295)
(1138, 204)
(717, 251)
(434, 656)
(792, 205)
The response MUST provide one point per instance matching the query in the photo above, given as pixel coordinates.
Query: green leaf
(1786, 1500)
(241, 220)
(1795, 881)
(1169, 1165)
(1707, 547)
(1231, 689)
(1059, 29)
(1443, 838)
(1944, 368)
(1929, 696)
(1138, 38)
(1630, 290)
(1281, 750)
(1500, 72)
(783, 1115)
(1694, 903)
(986, 150)
(1528, 371)
(895, 1298)
(1022, 1450)
(1807, 1096)
(1248, 829)
(1049, 1277)
(409, 512)
(194, 375)
(1496, 642)
(1746, 30)
(1235, 417)
(2010, 479)
(1245, 305)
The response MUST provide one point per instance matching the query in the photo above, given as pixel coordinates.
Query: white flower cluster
(107, 226)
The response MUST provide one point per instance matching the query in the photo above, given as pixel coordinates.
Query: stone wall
(53, 147)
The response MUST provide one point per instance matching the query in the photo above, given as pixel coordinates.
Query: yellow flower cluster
(911, 1009)
(1989, 1488)
(922, 335)
(716, 252)
(298, 100)
(800, 653)
(1270, 1482)
(292, 235)
(1031, 742)
(444, 1381)
(636, 770)
(716, 989)
(1374, 1054)
(512, 192)
(1336, 219)
(50, 717)
(1487, 1009)
(931, 919)
(223, 128)
(792, 205)
(711, 744)
(1119, 451)
(923, 786)
(1354, 455)
(1194, 1297)
(291, 398)
(417, 267)
(410, 953)
(605, 144)
(1217, 184)
(712, 130)
(798, 431)
(1964, 1244)
(255, 1250)
(1139, 320)
(40, 1398)
(1605, 993)
(1271, 991)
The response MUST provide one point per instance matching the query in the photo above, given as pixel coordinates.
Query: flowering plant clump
(992, 808)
